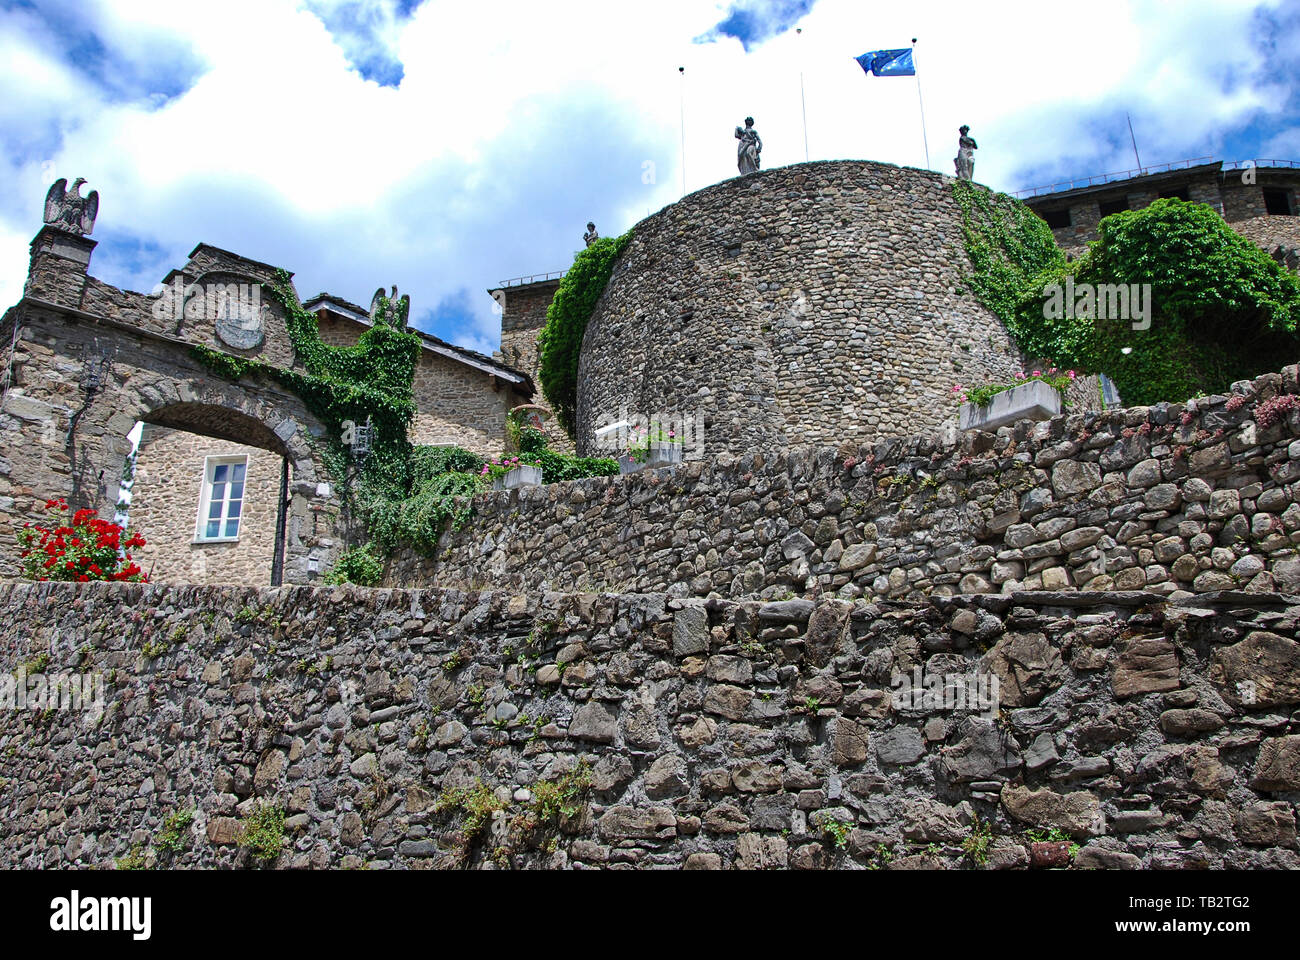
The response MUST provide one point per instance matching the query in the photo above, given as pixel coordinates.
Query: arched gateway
(87, 361)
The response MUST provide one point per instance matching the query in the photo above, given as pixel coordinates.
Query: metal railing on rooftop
(535, 278)
(1063, 185)
(1243, 164)
(1101, 178)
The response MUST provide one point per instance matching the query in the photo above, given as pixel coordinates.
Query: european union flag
(888, 63)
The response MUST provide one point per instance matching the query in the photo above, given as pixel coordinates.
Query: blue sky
(444, 147)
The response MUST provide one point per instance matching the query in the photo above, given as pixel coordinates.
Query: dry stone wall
(804, 304)
(1198, 497)
(414, 729)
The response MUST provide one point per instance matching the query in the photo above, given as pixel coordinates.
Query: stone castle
(710, 664)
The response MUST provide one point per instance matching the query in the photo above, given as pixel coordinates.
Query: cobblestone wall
(1196, 497)
(412, 729)
(1270, 233)
(809, 303)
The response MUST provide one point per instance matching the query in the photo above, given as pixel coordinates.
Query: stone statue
(387, 310)
(965, 159)
(68, 209)
(591, 236)
(749, 148)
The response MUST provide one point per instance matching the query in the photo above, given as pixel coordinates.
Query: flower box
(664, 453)
(524, 475)
(660, 453)
(1034, 400)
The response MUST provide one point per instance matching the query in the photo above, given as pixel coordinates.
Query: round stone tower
(807, 304)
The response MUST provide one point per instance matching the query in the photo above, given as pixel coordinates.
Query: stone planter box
(521, 476)
(1030, 401)
(664, 454)
(660, 455)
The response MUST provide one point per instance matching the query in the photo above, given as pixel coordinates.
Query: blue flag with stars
(888, 63)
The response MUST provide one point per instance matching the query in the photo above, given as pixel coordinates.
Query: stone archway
(77, 384)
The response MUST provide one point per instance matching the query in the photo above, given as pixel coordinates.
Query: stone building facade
(462, 399)
(88, 361)
(461, 396)
(523, 305)
(1261, 203)
(171, 500)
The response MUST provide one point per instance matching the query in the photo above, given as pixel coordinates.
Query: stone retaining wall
(410, 729)
(1197, 497)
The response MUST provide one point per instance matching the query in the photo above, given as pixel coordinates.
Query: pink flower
(1020, 376)
(1070, 374)
(1038, 373)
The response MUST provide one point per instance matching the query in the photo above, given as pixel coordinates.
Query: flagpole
(1134, 138)
(924, 138)
(802, 99)
(682, 71)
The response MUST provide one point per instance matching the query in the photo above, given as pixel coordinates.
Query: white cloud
(515, 123)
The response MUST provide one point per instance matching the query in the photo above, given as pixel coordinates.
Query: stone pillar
(312, 539)
(57, 270)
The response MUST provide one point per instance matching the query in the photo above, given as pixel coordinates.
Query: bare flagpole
(802, 99)
(1132, 137)
(924, 138)
(682, 71)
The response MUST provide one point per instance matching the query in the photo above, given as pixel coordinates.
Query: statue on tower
(965, 159)
(591, 236)
(750, 147)
(68, 209)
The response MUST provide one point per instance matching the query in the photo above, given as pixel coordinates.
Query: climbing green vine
(1013, 254)
(560, 341)
(408, 494)
(346, 387)
(1220, 308)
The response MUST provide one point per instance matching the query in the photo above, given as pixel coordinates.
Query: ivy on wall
(372, 381)
(408, 494)
(346, 387)
(560, 340)
(1012, 252)
(1221, 309)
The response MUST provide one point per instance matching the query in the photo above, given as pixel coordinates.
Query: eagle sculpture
(389, 310)
(68, 209)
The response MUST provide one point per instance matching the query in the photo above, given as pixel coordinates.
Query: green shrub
(560, 341)
(358, 565)
(262, 833)
(175, 834)
(1222, 309)
(559, 467)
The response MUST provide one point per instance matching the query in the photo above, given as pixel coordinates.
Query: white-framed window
(221, 505)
